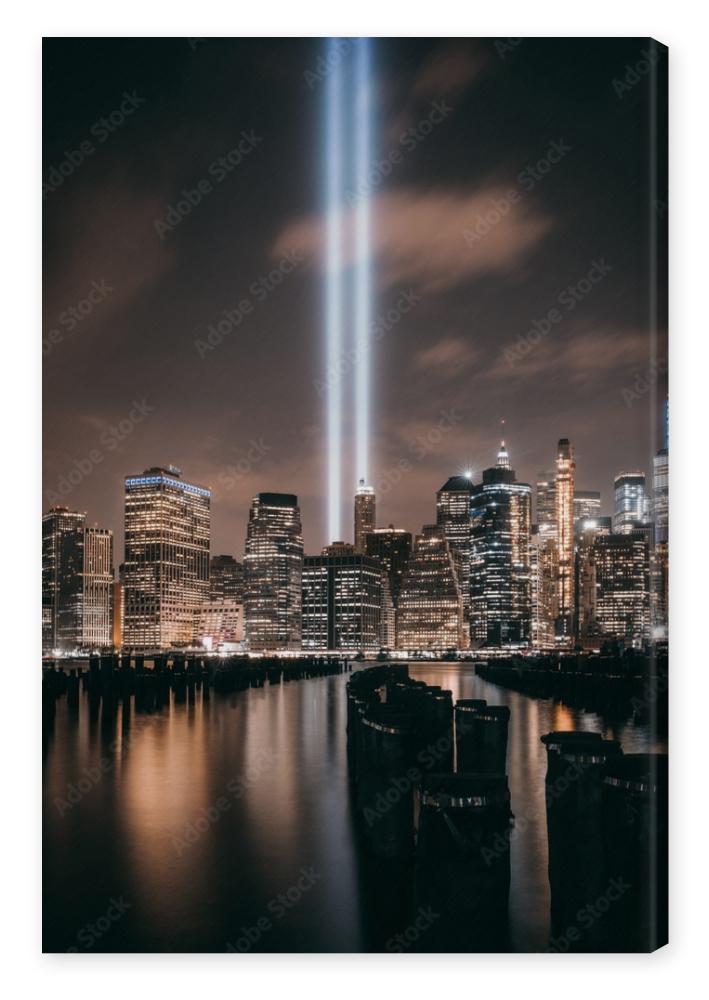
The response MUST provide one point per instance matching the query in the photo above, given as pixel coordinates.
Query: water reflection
(224, 823)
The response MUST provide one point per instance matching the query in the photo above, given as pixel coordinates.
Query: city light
(333, 281)
(362, 281)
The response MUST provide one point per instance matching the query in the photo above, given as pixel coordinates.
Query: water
(225, 823)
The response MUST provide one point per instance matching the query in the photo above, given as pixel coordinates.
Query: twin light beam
(348, 99)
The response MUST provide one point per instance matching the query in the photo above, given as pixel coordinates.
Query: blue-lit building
(166, 566)
(500, 572)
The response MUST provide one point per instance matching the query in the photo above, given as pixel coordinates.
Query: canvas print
(355, 495)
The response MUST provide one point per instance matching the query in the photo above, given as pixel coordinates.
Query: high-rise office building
(117, 623)
(587, 531)
(97, 624)
(546, 506)
(587, 506)
(166, 566)
(631, 503)
(343, 599)
(453, 515)
(226, 579)
(660, 495)
(365, 515)
(62, 579)
(273, 570)
(220, 623)
(564, 495)
(622, 586)
(543, 579)
(500, 580)
(392, 546)
(430, 613)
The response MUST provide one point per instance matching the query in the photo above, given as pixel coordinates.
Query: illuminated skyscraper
(632, 506)
(660, 495)
(543, 577)
(392, 546)
(546, 506)
(343, 600)
(166, 566)
(587, 506)
(430, 613)
(97, 624)
(226, 579)
(62, 579)
(453, 515)
(587, 531)
(500, 581)
(564, 484)
(117, 622)
(622, 586)
(273, 570)
(365, 515)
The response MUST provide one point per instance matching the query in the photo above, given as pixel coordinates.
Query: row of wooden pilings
(430, 790)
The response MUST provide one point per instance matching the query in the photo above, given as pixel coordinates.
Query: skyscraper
(343, 600)
(546, 506)
(62, 579)
(166, 566)
(226, 579)
(273, 570)
(430, 613)
(564, 495)
(392, 546)
(543, 577)
(97, 624)
(453, 515)
(585, 596)
(500, 583)
(631, 506)
(365, 515)
(660, 495)
(587, 505)
(622, 586)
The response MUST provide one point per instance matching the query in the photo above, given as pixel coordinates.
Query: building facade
(631, 504)
(97, 624)
(543, 576)
(62, 579)
(343, 599)
(587, 505)
(500, 568)
(392, 547)
(273, 570)
(365, 515)
(453, 515)
(226, 579)
(166, 565)
(564, 497)
(546, 506)
(622, 563)
(430, 614)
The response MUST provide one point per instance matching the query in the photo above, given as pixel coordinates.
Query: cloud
(418, 236)
(449, 71)
(448, 357)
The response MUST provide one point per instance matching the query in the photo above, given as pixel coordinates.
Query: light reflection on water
(226, 822)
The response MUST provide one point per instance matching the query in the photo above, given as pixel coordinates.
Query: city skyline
(469, 333)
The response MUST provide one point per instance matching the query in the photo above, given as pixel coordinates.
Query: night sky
(472, 243)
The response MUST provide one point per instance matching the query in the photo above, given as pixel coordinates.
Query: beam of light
(333, 291)
(363, 280)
